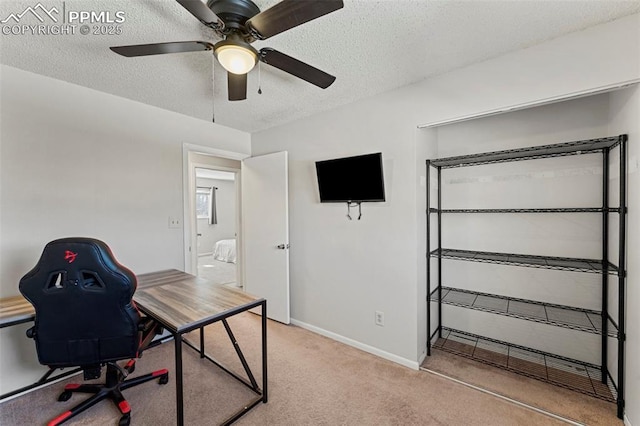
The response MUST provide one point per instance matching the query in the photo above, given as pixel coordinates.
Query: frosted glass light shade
(236, 59)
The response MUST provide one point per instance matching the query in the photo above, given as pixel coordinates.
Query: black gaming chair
(85, 317)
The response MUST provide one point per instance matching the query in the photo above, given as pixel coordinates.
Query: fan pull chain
(259, 79)
(213, 89)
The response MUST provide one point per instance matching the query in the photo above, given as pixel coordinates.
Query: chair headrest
(80, 260)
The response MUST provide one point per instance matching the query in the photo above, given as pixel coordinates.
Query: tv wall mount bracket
(353, 204)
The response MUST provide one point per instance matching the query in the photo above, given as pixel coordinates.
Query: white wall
(343, 271)
(76, 162)
(625, 117)
(351, 269)
(226, 213)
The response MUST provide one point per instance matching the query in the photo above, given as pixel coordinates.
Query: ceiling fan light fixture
(236, 57)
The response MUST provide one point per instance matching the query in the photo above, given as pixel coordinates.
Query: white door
(265, 224)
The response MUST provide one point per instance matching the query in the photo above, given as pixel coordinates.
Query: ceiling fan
(239, 23)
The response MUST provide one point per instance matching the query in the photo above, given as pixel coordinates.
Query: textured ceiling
(370, 46)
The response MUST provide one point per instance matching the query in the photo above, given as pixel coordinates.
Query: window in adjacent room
(203, 196)
(206, 204)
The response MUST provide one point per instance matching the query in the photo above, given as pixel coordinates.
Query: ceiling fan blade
(161, 48)
(295, 67)
(237, 86)
(288, 14)
(205, 15)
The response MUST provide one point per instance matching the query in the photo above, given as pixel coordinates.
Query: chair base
(112, 389)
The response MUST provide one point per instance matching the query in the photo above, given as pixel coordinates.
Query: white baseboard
(358, 345)
(44, 385)
(627, 422)
(423, 356)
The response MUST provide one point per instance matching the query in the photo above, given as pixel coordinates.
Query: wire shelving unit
(590, 379)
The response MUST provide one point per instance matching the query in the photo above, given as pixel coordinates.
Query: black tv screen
(351, 179)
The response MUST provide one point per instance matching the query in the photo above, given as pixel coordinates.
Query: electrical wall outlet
(379, 318)
(174, 222)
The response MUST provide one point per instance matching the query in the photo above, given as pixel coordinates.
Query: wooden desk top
(17, 309)
(167, 276)
(183, 301)
(178, 298)
(14, 310)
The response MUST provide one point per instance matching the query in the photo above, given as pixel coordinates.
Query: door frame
(189, 189)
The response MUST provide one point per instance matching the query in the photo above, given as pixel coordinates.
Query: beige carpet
(563, 402)
(312, 381)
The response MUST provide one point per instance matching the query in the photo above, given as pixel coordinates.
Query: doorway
(262, 266)
(216, 225)
(221, 170)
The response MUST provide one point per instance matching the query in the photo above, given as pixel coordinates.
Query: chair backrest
(83, 302)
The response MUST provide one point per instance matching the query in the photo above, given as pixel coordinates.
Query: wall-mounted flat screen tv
(351, 179)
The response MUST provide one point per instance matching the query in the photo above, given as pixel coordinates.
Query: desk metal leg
(264, 352)
(177, 338)
(201, 342)
(243, 360)
(263, 397)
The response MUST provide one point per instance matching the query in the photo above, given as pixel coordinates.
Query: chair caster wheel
(64, 396)
(164, 379)
(125, 420)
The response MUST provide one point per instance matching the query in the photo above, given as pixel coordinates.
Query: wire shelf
(531, 261)
(545, 151)
(536, 210)
(570, 317)
(549, 368)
